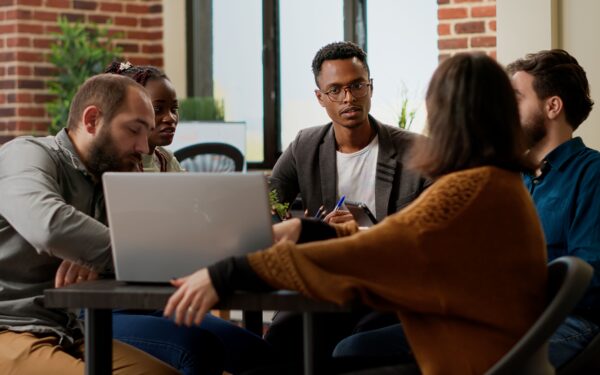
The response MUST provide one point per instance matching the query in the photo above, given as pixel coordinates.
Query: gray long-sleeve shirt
(50, 209)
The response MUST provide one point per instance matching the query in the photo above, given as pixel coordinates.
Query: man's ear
(319, 96)
(91, 119)
(553, 106)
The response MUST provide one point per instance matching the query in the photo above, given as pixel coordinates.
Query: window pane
(402, 53)
(305, 26)
(237, 67)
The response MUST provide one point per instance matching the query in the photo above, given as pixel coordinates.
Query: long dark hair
(473, 119)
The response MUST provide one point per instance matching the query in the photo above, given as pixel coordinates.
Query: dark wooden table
(98, 298)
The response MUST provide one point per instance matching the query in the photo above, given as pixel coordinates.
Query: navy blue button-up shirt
(567, 198)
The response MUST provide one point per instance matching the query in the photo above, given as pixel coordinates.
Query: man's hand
(337, 217)
(195, 296)
(288, 230)
(72, 273)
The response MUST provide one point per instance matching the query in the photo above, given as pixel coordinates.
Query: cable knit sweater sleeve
(423, 257)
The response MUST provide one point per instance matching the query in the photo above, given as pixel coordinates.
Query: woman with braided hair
(166, 107)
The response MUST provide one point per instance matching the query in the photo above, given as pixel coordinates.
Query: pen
(319, 211)
(339, 203)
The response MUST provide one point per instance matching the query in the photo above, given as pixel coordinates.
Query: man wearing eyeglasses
(353, 156)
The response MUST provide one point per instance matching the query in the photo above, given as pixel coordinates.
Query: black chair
(568, 279)
(210, 157)
(586, 362)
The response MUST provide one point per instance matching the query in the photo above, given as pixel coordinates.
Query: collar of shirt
(68, 150)
(560, 155)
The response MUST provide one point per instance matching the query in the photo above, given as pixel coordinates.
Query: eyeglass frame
(347, 88)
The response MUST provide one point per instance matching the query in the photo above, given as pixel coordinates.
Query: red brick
(157, 62)
(440, 2)
(483, 41)
(136, 60)
(7, 84)
(19, 70)
(24, 126)
(152, 22)
(98, 18)
(43, 98)
(443, 29)
(116, 33)
(31, 84)
(7, 56)
(35, 3)
(29, 28)
(41, 126)
(6, 3)
(467, 1)
(144, 35)
(455, 43)
(20, 98)
(126, 21)
(2, 71)
(111, 7)
(152, 48)
(2, 15)
(45, 16)
(452, 13)
(484, 11)
(136, 8)
(30, 56)
(43, 43)
(129, 47)
(2, 98)
(470, 27)
(7, 112)
(85, 5)
(155, 8)
(1, 43)
(58, 3)
(492, 54)
(18, 42)
(45, 71)
(52, 29)
(73, 17)
(31, 112)
(7, 29)
(492, 25)
(18, 14)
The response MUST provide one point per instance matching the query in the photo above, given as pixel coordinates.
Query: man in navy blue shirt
(554, 99)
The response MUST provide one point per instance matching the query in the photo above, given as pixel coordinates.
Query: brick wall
(25, 38)
(466, 25)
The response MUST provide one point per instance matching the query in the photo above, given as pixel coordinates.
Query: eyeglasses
(357, 89)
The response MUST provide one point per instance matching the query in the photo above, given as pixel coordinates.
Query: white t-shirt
(356, 174)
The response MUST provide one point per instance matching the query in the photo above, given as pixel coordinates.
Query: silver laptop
(166, 225)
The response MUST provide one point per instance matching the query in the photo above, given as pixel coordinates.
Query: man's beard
(534, 129)
(104, 156)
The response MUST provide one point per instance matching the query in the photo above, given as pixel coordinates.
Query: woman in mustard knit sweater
(464, 266)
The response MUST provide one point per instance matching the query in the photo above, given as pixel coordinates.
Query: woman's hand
(339, 216)
(288, 230)
(72, 273)
(195, 296)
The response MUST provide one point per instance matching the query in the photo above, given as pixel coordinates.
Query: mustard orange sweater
(464, 266)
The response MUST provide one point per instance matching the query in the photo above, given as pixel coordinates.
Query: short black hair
(556, 72)
(338, 51)
(139, 73)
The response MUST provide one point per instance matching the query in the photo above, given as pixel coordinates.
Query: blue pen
(339, 203)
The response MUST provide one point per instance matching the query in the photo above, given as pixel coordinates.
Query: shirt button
(536, 181)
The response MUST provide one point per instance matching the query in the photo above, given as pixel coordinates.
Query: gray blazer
(308, 167)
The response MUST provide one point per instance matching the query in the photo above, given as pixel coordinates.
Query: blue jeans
(570, 338)
(210, 348)
(385, 343)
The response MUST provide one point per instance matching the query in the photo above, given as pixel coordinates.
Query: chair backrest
(210, 157)
(568, 279)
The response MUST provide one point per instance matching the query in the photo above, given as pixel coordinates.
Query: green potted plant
(79, 52)
(204, 108)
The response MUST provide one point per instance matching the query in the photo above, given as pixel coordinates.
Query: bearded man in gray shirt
(52, 211)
